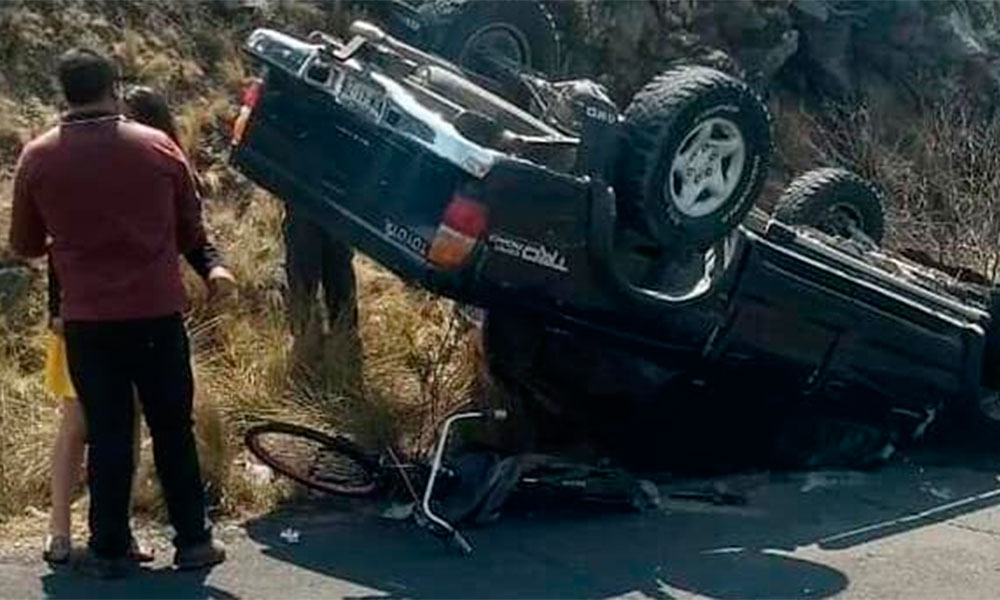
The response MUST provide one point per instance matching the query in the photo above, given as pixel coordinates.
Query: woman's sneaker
(201, 556)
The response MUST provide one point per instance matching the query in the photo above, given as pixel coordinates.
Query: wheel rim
(496, 41)
(839, 219)
(706, 168)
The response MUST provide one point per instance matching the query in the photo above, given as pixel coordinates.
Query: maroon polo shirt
(114, 204)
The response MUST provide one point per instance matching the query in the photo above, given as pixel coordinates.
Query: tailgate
(383, 193)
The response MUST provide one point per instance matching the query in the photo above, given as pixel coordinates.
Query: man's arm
(55, 292)
(203, 259)
(27, 229)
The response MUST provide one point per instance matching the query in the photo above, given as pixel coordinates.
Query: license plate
(362, 96)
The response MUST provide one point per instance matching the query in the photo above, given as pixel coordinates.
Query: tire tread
(649, 115)
(338, 444)
(795, 205)
(442, 15)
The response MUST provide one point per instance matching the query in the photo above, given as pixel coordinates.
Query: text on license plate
(363, 96)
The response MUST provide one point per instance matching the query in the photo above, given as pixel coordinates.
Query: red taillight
(250, 98)
(252, 94)
(464, 222)
(466, 216)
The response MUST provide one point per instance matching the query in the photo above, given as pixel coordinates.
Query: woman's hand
(221, 285)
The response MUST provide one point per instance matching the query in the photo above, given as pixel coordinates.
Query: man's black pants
(313, 257)
(106, 359)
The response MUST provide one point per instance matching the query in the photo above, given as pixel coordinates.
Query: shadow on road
(570, 555)
(160, 583)
(719, 552)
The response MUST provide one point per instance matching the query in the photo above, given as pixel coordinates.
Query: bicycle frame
(457, 538)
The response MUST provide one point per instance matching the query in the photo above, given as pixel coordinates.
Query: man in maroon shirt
(114, 205)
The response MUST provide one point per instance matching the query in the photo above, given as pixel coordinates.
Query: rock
(14, 282)
(838, 44)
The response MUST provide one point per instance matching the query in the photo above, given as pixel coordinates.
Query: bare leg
(67, 467)
(137, 432)
(137, 552)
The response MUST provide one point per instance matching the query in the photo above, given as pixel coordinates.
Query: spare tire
(523, 33)
(699, 145)
(833, 200)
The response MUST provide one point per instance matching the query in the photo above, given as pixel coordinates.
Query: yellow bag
(57, 379)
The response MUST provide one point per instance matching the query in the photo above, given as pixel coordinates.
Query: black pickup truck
(629, 231)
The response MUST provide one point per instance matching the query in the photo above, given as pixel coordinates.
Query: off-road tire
(450, 24)
(658, 121)
(813, 196)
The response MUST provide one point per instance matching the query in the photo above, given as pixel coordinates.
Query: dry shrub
(418, 355)
(10, 142)
(27, 420)
(203, 127)
(27, 415)
(232, 71)
(938, 167)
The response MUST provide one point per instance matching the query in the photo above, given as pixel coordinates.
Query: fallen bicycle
(435, 492)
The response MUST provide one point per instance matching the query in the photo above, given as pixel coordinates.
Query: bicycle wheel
(334, 465)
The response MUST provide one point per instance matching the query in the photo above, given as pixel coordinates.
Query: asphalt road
(925, 528)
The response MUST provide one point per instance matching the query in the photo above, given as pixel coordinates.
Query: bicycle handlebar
(498, 414)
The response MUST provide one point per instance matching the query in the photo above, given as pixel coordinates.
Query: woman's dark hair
(151, 109)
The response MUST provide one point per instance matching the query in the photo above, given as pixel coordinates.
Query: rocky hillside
(837, 49)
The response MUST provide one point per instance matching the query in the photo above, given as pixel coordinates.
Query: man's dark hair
(85, 76)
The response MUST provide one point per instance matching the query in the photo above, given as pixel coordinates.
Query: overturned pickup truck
(613, 249)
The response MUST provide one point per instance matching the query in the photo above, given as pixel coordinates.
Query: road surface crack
(974, 529)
